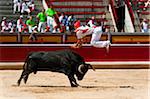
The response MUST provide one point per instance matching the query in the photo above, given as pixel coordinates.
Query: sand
(101, 84)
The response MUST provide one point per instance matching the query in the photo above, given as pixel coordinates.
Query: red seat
(84, 13)
(69, 6)
(76, 0)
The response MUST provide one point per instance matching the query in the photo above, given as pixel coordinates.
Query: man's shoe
(108, 47)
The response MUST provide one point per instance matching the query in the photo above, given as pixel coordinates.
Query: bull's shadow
(49, 86)
(89, 87)
(55, 86)
(63, 86)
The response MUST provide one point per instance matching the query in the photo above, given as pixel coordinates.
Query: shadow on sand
(48, 86)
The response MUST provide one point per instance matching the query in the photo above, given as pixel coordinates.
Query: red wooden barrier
(117, 53)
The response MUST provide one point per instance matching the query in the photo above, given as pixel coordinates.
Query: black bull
(64, 61)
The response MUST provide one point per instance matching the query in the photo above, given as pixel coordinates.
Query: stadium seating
(138, 11)
(143, 10)
(84, 9)
(6, 9)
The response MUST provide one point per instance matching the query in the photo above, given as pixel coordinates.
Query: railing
(112, 3)
(135, 8)
(130, 10)
(62, 38)
(76, 0)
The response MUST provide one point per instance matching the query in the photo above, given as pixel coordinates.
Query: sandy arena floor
(101, 84)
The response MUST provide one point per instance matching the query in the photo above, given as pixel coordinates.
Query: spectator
(71, 21)
(64, 21)
(42, 21)
(32, 29)
(55, 27)
(17, 4)
(91, 22)
(4, 25)
(31, 24)
(103, 23)
(50, 12)
(61, 16)
(12, 27)
(146, 4)
(25, 8)
(20, 24)
(144, 26)
(33, 36)
(31, 5)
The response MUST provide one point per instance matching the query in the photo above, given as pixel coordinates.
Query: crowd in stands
(47, 21)
(138, 7)
(23, 6)
(43, 22)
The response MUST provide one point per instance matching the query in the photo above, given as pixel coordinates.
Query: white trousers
(4, 28)
(25, 10)
(95, 40)
(31, 28)
(41, 27)
(50, 23)
(19, 28)
(17, 5)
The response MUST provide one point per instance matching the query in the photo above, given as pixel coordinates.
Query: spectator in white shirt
(144, 26)
(25, 8)
(20, 24)
(17, 4)
(4, 26)
(91, 22)
(10, 24)
(31, 5)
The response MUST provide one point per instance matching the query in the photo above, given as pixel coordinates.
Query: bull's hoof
(18, 83)
(75, 85)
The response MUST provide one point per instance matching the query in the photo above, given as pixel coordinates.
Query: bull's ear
(90, 66)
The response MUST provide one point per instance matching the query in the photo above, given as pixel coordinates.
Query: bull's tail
(26, 62)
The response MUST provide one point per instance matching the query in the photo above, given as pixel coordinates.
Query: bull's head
(82, 69)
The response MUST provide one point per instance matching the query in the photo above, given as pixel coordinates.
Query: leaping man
(96, 32)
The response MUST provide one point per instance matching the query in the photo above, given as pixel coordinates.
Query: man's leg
(15, 7)
(39, 26)
(95, 41)
(48, 23)
(19, 6)
(78, 43)
(30, 29)
(51, 24)
(102, 44)
(43, 27)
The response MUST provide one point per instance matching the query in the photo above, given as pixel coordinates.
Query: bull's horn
(91, 67)
(79, 68)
